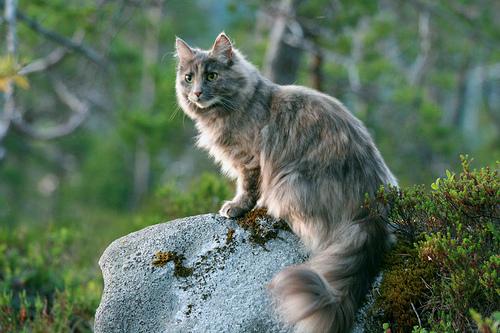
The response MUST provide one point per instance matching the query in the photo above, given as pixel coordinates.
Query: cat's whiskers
(176, 111)
(173, 114)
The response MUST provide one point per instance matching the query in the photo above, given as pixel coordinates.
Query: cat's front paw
(233, 209)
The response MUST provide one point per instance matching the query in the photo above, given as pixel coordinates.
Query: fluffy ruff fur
(302, 155)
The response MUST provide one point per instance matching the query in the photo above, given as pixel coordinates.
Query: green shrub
(447, 258)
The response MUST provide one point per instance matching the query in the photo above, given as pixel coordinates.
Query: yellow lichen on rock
(162, 258)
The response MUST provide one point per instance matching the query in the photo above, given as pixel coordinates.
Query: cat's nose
(197, 93)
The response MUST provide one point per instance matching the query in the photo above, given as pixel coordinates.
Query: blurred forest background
(93, 145)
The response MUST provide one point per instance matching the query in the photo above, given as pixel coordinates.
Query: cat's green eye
(211, 76)
(188, 78)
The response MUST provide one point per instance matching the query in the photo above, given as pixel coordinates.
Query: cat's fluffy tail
(323, 294)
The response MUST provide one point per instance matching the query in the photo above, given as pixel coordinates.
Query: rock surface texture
(197, 274)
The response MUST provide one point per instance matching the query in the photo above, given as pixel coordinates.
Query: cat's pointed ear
(184, 51)
(222, 47)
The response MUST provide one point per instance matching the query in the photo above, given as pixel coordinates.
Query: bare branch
(418, 317)
(10, 115)
(77, 47)
(69, 99)
(51, 59)
(86, 51)
(44, 63)
(80, 112)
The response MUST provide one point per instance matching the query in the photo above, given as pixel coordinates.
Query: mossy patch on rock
(402, 291)
(162, 258)
(261, 233)
(259, 229)
(230, 235)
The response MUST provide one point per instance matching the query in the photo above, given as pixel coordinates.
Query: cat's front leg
(246, 195)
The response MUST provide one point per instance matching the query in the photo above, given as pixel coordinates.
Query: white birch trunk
(11, 43)
(142, 163)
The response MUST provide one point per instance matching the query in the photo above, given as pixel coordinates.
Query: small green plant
(9, 72)
(486, 325)
(420, 329)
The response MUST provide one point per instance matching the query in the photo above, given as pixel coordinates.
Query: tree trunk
(472, 106)
(11, 43)
(282, 57)
(458, 113)
(142, 164)
(317, 71)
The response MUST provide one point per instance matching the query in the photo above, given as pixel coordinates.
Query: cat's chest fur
(233, 147)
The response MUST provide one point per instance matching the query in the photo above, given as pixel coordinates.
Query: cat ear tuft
(184, 51)
(222, 47)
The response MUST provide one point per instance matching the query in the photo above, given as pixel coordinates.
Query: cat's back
(317, 129)
(307, 102)
(305, 108)
(296, 92)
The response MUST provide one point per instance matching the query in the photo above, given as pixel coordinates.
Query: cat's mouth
(204, 104)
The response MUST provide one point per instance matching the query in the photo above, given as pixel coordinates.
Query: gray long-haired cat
(302, 155)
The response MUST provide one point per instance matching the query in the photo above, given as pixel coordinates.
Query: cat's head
(211, 79)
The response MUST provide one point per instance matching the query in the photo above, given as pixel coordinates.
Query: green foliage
(38, 316)
(204, 194)
(9, 73)
(40, 289)
(105, 171)
(447, 259)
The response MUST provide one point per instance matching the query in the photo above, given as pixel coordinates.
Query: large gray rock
(225, 292)
(222, 287)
